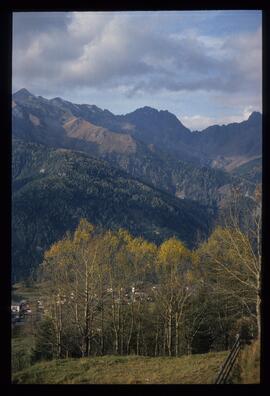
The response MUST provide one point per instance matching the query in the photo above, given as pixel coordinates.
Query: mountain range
(144, 171)
(62, 122)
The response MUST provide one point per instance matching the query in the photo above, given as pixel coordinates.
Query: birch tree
(232, 260)
(173, 292)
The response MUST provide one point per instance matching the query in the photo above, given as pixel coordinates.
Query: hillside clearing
(193, 369)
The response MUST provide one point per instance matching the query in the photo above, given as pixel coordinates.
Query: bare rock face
(108, 141)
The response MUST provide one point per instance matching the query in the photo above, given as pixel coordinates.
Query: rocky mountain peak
(57, 100)
(22, 95)
(255, 116)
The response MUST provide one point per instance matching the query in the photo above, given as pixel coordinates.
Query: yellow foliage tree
(174, 263)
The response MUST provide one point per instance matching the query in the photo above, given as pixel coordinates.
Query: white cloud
(102, 47)
(200, 122)
(134, 55)
(196, 122)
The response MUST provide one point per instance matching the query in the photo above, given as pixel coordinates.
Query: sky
(203, 66)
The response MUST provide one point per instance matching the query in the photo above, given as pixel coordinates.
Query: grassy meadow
(193, 369)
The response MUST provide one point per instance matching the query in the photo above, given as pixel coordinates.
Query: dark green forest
(54, 188)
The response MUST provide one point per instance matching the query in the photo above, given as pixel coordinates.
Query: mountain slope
(139, 143)
(218, 146)
(59, 173)
(163, 130)
(54, 188)
(251, 171)
(229, 145)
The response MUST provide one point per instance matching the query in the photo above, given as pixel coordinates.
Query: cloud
(200, 122)
(133, 53)
(26, 25)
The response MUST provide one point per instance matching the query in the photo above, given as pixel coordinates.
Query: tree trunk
(59, 332)
(189, 349)
(102, 329)
(122, 336)
(164, 338)
(115, 325)
(86, 330)
(58, 325)
(170, 332)
(116, 342)
(156, 341)
(119, 321)
(86, 342)
(86, 312)
(258, 315)
(138, 339)
(176, 335)
(131, 328)
(76, 301)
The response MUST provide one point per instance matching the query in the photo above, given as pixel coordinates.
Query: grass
(249, 364)
(193, 369)
(22, 340)
(20, 291)
(21, 352)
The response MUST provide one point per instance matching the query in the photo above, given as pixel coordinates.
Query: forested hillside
(54, 188)
(251, 171)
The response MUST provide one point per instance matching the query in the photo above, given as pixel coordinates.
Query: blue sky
(203, 66)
